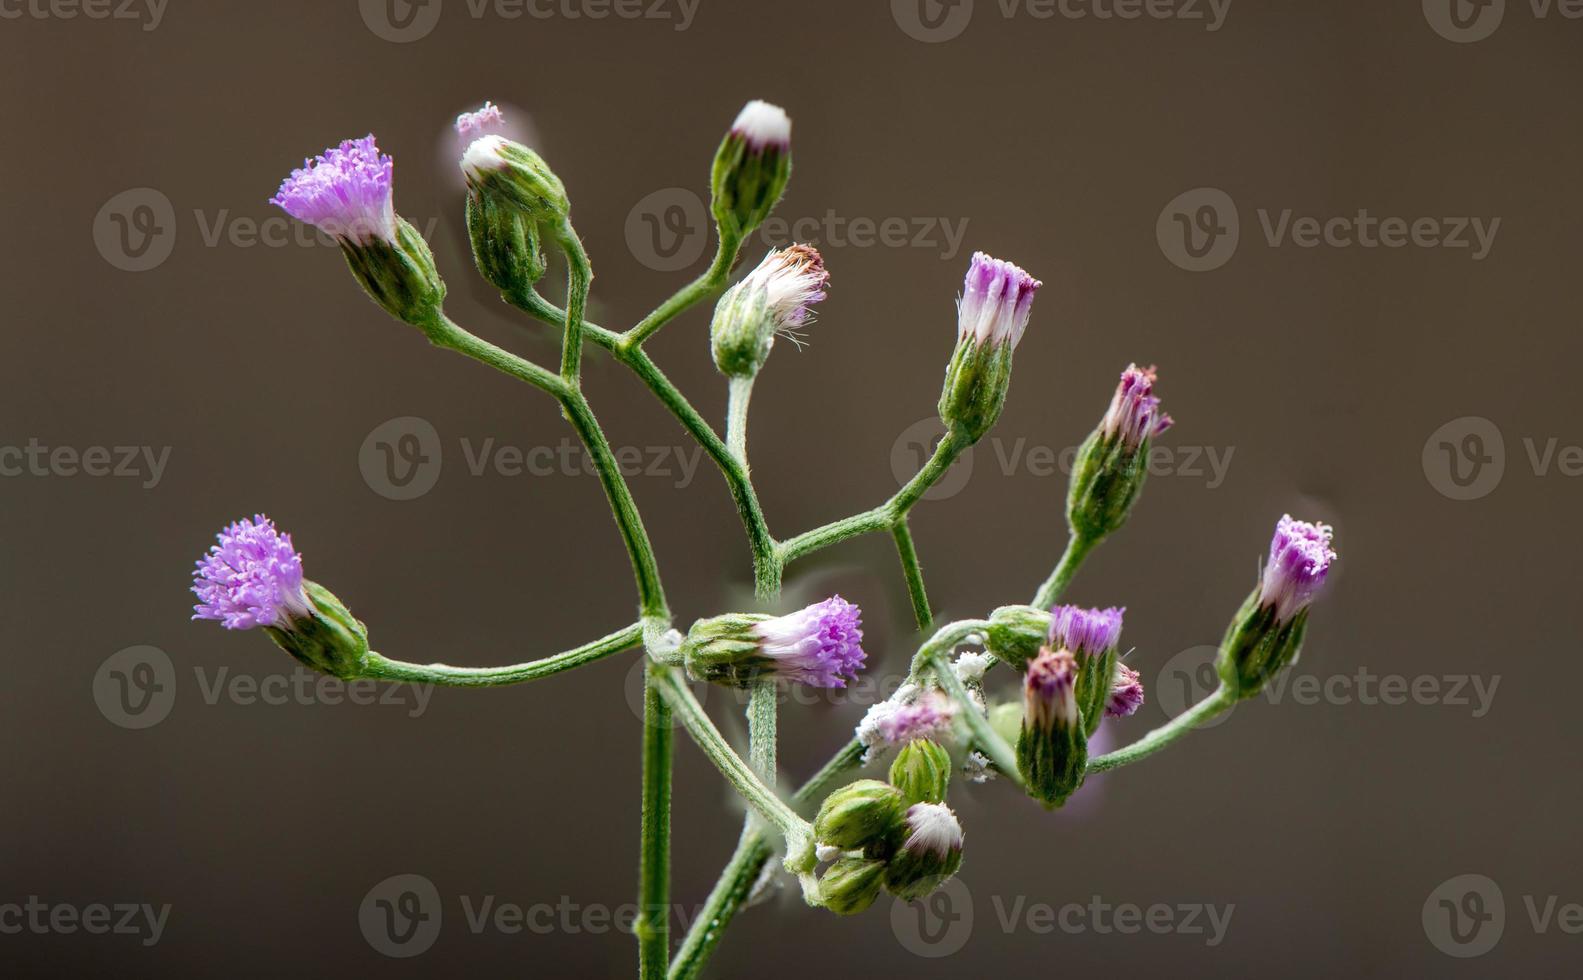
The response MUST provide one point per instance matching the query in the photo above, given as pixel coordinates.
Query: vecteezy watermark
(1466, 21)
(1190, 676)
(667, 231)
(1199, 230)
(400, 459)
(136, 688)
(1011, 456)
(145, 464)
(934, 21)
(136, 230)
(140, 920)
(147, 12)
(1465, 916)
(401, 916)
(403, 21)
(1465, 459)
(942, 923)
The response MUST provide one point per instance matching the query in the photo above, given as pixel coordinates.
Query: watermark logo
(1198, 229)
(400, 21)
(1020, 455)
(932, 21)
(145, 464)
(150, 12)
(937, 925)
(136, 229)
(136, 687)
(1464, 21)
(400, 917)
(668, 229)
(1465, 916)
(142, 920)
(400, 458)
(1465, 458)
(1186, 679)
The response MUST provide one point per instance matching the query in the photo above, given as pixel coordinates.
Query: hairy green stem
(654, 867)
(1077, 548)
(762, 705)
(442, 331)
(1222, 699)
(579, 275)
(382, 668)
(988, 740)
(738, 773)
(907, 551)
(740, 391)
(712, 281)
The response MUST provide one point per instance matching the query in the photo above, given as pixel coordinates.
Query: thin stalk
(381, 668)
(740, 391)
(907, 551)
(712, 281)
(1159, 738)
(1077, 548)
(442, 331)
(579, 275)
(988, 740)
(654, 867)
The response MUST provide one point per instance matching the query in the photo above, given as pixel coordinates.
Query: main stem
(1221, 700)
(654, 868)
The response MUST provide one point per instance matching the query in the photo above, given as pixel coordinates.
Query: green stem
(651, 595)
(989, 740)
(884, 517)
(738, 773)
(1159, 738)
(579, 275)
(712, 281)
(1077, 548)
(913, 572)
(762, 705)
(443, 332)
(766, 569)
(740, 392)
(381, 668)
(654, 869)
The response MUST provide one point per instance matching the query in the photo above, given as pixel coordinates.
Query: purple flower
(818, 646)
(793, 279)
(1085, 632)
(911, 714)
(344, 192)
(1134, 414)
(253, 577)
(1300, 555)
(763, 126)
(1126, 692)
(1050, 691)
(480, 122)
(996, 299)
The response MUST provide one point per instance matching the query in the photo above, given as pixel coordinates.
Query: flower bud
(991, 317)
(346, 192)
(1126, 692)
(1016, 634)
(913, 712)
(859, 814)
(850, 885)
(1113, 461)
(819, 646)
(1092, 636)
(1267, 633)
(922, 771)
(774, 299)
(930, 853)
(1052, 750)
(505, 245)
(253, 577)
(751, 169)
(516, 178)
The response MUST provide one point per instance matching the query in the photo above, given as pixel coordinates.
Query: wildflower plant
(845, 839)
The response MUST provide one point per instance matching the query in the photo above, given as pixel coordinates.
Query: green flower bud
(505, 244)
(1267, 633)
(329, 639)
(1114, 460)
(771, 300)
(399, 276)
(975, 388)
(991, 316)
(930, 852)
(1052, 749)
(1016, 633)
(922, 771)
(751, 169)
(859, 814)
(516, 178)
(851, 884)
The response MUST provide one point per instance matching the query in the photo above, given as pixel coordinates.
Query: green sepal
(1106, 481)
(1258, 646)
(746, 185)
(506, 247)
(1095, 675)
(400, 277)
(851, 884)
(330, 639)
(975, 388)
(922, 771)
(1052, 763)
(861, 814)
(725, 650)
(1016, 633)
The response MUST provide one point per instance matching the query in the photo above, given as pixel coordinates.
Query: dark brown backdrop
(1326, 372)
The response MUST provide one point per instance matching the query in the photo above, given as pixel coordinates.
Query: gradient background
(1323, 370)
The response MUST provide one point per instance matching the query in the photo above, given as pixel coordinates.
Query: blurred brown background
(187, 315)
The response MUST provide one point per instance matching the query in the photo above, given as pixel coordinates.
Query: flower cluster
(345, 192)
(1300, 557)
(1134, 414)
(252, 577)
(997, 298)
